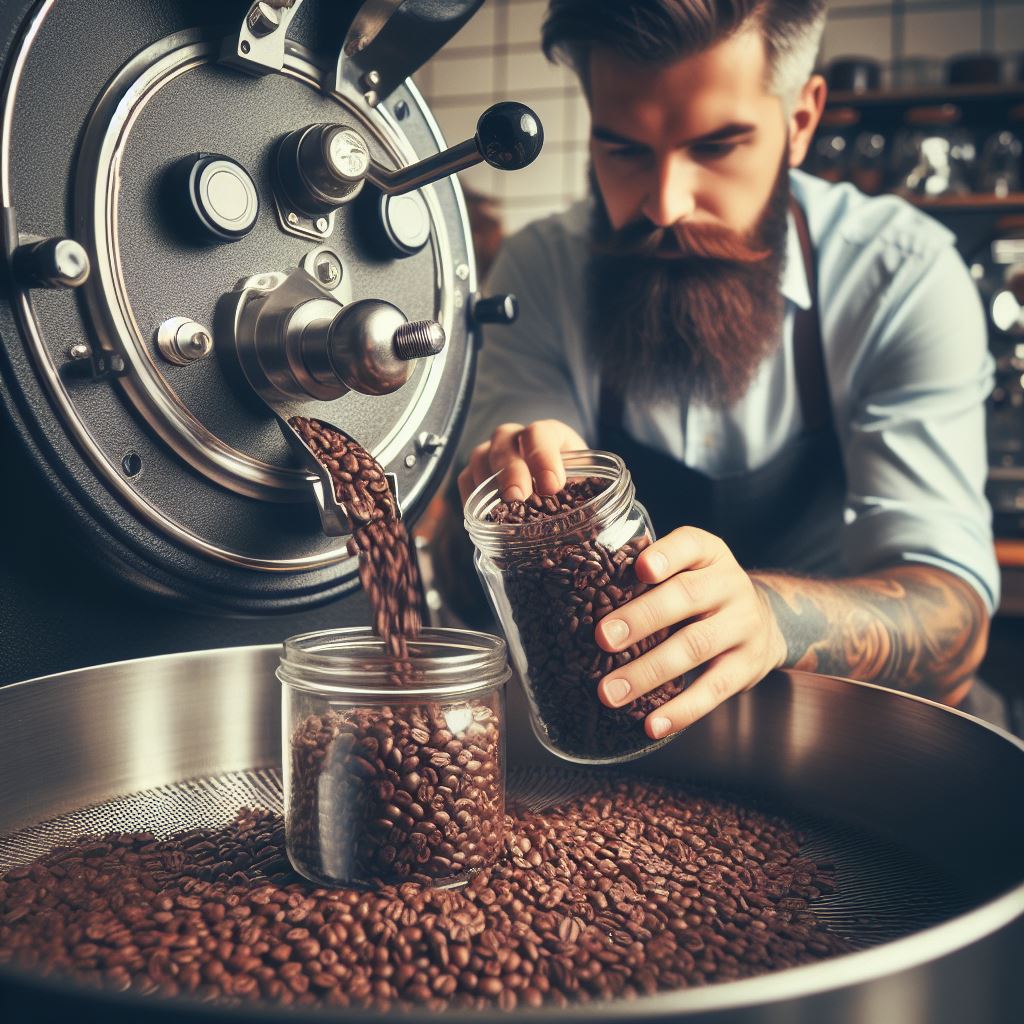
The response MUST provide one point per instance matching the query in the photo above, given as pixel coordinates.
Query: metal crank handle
(509, 137)
(322, 166)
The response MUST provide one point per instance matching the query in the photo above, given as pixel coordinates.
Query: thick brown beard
(686, 310)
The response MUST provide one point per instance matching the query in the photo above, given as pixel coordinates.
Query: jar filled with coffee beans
(393, 769)
(553, 567)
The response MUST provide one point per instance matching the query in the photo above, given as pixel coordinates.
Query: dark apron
(752, 510)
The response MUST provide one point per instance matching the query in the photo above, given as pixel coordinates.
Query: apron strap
(808, 352)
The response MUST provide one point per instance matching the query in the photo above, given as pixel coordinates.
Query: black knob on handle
(509, 136)
(495, 309)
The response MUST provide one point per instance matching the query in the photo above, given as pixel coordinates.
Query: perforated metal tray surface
(882, 891)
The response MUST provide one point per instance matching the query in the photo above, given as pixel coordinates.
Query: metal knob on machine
(321, 167)
(212, 198)
(370, 345)
(295, 341)
(51, 263)
(493, 309)
(324, 166)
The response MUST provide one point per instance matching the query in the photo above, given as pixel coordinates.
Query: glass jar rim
(354, 661)
(494, 538)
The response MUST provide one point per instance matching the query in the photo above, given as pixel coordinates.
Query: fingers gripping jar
(553, 568)
(393, 772)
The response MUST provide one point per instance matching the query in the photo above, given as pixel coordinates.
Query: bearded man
(794, 374)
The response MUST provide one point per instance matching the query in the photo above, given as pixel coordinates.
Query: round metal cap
(221, 198)
(406, 222)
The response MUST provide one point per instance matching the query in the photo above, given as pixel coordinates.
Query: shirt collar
(794, 285)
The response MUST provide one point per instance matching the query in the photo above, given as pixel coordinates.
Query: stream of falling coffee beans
(641, 888)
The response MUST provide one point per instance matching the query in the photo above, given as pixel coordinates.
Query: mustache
(645, 241)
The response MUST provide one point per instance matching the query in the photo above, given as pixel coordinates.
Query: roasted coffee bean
(647, 922)
(557, 592)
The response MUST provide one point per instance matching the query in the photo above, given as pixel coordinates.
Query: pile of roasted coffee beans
(643, 888)
(558, 590)
(402, 791)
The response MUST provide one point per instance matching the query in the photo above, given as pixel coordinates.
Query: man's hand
(527, 457)
(728, 630)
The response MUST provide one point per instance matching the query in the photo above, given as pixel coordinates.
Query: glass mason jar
(932, 155)
(393, 771)
(549, 583)
(829, 155)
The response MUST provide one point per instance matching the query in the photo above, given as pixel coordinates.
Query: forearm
(913, 627)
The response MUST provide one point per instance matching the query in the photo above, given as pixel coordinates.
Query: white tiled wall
(497, 56)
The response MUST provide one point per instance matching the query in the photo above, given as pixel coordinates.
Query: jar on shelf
(999, 166)
(394, 770)
(867, 162)
(550, 581)
(829, 154)
(854, 74)
(932, 154)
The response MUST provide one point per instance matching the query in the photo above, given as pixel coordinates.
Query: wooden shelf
(1010, 553)
(971, 202)
(928, 94)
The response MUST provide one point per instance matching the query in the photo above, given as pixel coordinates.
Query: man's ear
(804, 118)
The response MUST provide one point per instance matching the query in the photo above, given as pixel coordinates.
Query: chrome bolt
(429, 443)
(462, 271)
(79, 351)
(410, 461)
(328, 269)
(292, 218)
(182, 341)
(198, 343)
(321, 224)
(370, 82)
(263, 19)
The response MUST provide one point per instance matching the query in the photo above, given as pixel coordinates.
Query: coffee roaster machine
(216, 216)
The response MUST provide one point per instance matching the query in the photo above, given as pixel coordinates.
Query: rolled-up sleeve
(914, 442)
(523, 373)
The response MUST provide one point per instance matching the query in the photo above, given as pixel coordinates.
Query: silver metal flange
(296, 342)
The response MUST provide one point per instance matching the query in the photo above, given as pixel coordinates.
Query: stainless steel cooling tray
(918, 806)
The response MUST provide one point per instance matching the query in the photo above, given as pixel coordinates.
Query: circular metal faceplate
(104, 177)
(199, 412)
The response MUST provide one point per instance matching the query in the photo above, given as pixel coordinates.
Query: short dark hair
(663, 31)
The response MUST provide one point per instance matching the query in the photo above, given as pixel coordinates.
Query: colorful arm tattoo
(914, 627)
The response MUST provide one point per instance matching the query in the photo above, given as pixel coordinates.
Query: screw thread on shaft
(419, 338)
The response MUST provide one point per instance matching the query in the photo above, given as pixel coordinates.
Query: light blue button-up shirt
(906, 358)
